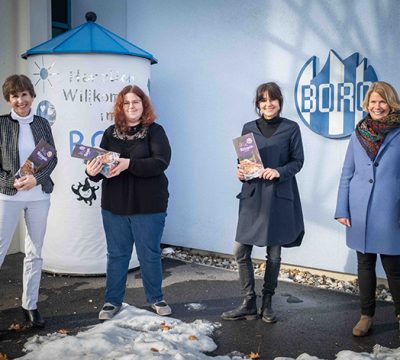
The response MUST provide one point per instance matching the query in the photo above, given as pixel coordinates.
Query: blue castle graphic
(330, 103)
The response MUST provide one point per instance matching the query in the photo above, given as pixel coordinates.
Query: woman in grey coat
(369, 198)
(270, 213)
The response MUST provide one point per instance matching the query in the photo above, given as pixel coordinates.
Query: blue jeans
(122, 231)
(246, 272)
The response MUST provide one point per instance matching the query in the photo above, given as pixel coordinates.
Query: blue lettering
(72, 141)
(326, 102)
(76, 137)
(95, 136)
(328, 97)
(346, 93)
(362, 89)
(308, 101)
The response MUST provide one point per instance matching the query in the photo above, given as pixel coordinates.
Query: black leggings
(367, 280)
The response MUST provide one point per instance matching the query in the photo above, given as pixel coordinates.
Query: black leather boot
(33, 317)
(267, 314)
(247, 310)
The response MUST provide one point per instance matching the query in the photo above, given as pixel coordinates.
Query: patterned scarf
(371, 133)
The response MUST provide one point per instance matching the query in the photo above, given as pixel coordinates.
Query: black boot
(267, 314)
(247, 310)
(33, 317)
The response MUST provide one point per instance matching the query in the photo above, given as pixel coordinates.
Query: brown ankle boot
(363, 326)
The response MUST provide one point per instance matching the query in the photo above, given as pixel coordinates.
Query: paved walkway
(311, 320)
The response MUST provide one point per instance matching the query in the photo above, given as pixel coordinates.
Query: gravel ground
(299, 276)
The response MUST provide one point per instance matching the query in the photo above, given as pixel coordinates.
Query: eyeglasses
(134, 102)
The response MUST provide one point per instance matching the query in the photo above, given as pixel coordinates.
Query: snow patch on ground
(195, 307)
(139, 334)
(132, 334)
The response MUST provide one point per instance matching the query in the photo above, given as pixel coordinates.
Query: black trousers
(246, 272)
(367, 280)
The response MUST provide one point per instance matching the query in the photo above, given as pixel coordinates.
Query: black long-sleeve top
(143, 187)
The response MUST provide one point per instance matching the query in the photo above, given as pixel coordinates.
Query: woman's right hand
(93, 167)
(344, 221)
(240, 173)
(26, 182)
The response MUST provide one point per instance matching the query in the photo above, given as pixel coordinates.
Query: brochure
(248, 156)
(88, 153)
(36, 161)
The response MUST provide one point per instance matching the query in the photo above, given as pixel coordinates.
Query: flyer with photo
(248, 156)
(87, 153)
(37, 160)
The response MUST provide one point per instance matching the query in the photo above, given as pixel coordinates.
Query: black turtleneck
(268, 127)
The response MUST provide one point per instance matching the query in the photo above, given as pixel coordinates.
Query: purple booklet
(36, 161)
(88, 153)
(248, 155)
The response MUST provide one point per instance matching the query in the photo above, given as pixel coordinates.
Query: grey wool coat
(270, 211)
(369, 195)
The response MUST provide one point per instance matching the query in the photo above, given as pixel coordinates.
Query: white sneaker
(108, 311)
(162, 308)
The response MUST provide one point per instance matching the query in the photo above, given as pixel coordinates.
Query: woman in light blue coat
(368, 201)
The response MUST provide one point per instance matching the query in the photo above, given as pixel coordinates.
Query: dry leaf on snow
(192, 337)
(253, 355)
(165, 327)
(154, 350)
(16, 327)
(63, 331)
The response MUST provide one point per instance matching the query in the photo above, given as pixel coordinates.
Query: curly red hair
(148, 115)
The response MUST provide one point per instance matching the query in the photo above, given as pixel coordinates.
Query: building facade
(212, 55)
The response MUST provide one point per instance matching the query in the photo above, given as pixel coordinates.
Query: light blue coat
(369, 195)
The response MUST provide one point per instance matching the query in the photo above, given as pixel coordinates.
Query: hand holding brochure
(37, 160)
(88, 153)
(248, 155)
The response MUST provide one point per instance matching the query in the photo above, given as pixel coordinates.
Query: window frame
(57, 25)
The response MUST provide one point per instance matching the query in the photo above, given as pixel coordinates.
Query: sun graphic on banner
(44, 73)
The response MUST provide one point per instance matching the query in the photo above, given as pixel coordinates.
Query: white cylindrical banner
(76, 93)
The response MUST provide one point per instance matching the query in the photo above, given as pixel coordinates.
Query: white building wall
(212, 55)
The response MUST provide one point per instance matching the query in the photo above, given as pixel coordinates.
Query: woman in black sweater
(134, 198)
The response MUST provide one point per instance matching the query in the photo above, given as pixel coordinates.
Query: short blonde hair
(388, 93)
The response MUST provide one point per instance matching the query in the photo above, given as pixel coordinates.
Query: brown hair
(274, 93)
(387, 92)
(148, 115)
(15, 84)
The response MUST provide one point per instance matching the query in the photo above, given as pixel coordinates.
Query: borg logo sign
(330, 103)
